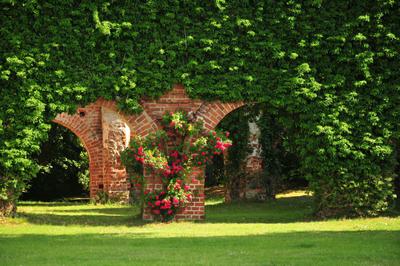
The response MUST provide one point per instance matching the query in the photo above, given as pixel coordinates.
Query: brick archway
(105, 132)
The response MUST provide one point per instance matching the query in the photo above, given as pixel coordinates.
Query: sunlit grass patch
(280, 232)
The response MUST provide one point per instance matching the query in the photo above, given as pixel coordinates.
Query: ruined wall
(105, 132)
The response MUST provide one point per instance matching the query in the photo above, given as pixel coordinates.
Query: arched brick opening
(105, 132)
(88, 133)
(248, 184)
(211, 113)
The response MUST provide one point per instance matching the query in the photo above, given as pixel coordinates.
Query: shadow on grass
(55, 214)
(82, 219)
(285, 210)
(282, 210)
(46, 204)
(292, 248)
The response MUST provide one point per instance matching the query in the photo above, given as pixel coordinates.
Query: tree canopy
(329, 69)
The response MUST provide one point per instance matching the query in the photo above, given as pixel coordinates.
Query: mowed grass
(282, 232)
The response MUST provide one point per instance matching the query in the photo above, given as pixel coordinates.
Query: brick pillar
(152, 183)
(116, 136)
(195, 210)
(254, 166)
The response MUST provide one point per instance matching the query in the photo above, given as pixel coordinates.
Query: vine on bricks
(170, 153)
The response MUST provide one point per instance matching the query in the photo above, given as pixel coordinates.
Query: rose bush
(170, 153)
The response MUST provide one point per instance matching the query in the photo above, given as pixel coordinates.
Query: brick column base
(195, 210)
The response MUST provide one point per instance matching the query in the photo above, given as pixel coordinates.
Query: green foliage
(332, 66)
(64, 168)
(223, 170)
(282, 164)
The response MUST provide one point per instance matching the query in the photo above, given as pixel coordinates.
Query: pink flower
(139, 159)
(158, 203)
(186, 187)
(227, 145)
(140, 151)
(164, 201)
(166, 173)
(170, 212)
(199, 163)
(203, 153)
(174, 154)
(227, 133)
(220, 146)
(175, 201)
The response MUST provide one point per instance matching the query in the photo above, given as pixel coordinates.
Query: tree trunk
(7, 208)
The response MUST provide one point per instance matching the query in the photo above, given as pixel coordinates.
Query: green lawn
(272, 233)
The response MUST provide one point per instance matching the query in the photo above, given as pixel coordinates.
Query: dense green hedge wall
(332, 65)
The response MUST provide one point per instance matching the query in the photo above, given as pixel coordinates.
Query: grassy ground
(272, 233)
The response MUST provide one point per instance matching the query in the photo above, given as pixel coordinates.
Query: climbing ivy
(331, 65)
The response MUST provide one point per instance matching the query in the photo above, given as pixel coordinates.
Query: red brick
(112, 174)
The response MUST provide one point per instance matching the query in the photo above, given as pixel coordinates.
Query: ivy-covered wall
(331, 66)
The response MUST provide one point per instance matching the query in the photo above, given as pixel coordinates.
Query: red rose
(175, 201)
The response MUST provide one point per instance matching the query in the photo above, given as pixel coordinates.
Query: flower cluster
(167, 203)
(204, 148)
(171, 153)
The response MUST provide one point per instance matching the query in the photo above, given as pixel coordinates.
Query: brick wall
(105, 132)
